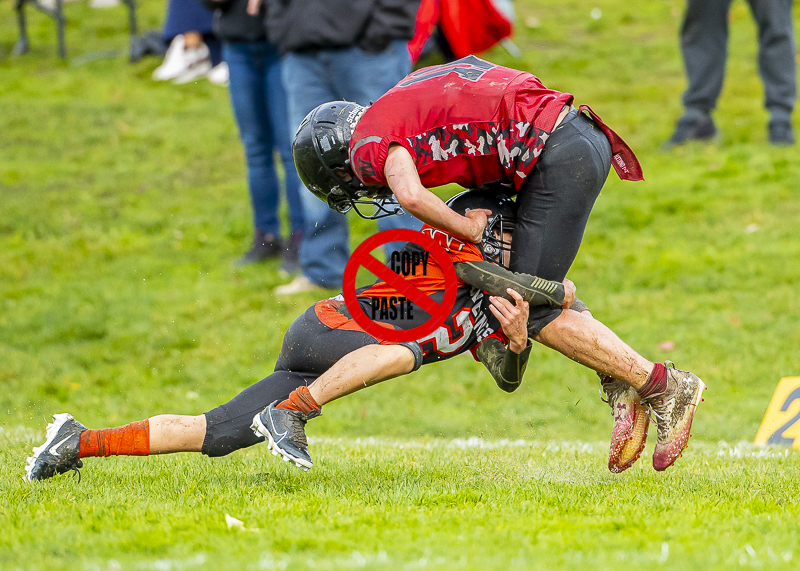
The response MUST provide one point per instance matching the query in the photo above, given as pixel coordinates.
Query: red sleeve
(497, 335)
(368, 157)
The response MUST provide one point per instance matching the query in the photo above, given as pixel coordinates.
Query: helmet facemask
(346, 196)
(493, 244)
(384, 203)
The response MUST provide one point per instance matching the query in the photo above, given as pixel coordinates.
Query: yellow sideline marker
(781, 424)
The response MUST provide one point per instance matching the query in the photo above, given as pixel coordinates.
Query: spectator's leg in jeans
(776, 55)
(214, 49)
(283, 134)
(247, 64)
(363, 77)
(325, 249)
(704, 41)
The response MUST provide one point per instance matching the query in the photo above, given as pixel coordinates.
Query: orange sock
(300, 399)
(130, 440)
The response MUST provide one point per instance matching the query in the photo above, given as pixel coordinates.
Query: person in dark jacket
(354, 50)
(259, 104)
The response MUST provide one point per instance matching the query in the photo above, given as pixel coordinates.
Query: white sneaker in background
(104, 3)
(219, 74)
(195, 70)
(299, 284)
(51, 4)
(182, 63)
(173, 65)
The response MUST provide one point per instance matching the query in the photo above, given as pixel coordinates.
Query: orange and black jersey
(468, 323)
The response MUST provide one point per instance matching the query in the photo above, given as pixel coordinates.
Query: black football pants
(309, 349)
(555, 202)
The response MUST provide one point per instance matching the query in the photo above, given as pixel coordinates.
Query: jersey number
(446, 340)
(469, 68)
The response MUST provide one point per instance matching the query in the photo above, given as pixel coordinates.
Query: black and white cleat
(285, 433)
(60, 450)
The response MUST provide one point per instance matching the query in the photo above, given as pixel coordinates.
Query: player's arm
(403, 179)
(362, 368)
(497, 280)
(506, 367)
(507, 364)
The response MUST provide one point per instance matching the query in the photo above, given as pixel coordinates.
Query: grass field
(123, 205)
(433, 504)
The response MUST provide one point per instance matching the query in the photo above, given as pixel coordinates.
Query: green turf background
(123, 205)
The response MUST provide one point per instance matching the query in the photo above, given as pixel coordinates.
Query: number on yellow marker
(781, 424)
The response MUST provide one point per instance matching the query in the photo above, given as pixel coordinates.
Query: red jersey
(469, 122)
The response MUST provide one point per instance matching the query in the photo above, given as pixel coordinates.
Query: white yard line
(742, 449)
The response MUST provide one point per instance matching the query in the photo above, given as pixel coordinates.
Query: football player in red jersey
(474, 123)
(326, 349)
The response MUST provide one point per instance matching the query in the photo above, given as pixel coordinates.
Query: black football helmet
(321, 152)
(503, 218)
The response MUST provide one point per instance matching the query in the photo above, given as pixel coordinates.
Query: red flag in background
(469, 26)
(472, 26)
(427, 18)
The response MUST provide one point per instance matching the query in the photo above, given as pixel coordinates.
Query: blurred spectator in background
(193, 50)
(352, 50)
(704, 39)
(259, 104)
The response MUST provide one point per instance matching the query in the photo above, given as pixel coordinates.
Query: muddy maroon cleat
(631, 421)
(673, 411)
